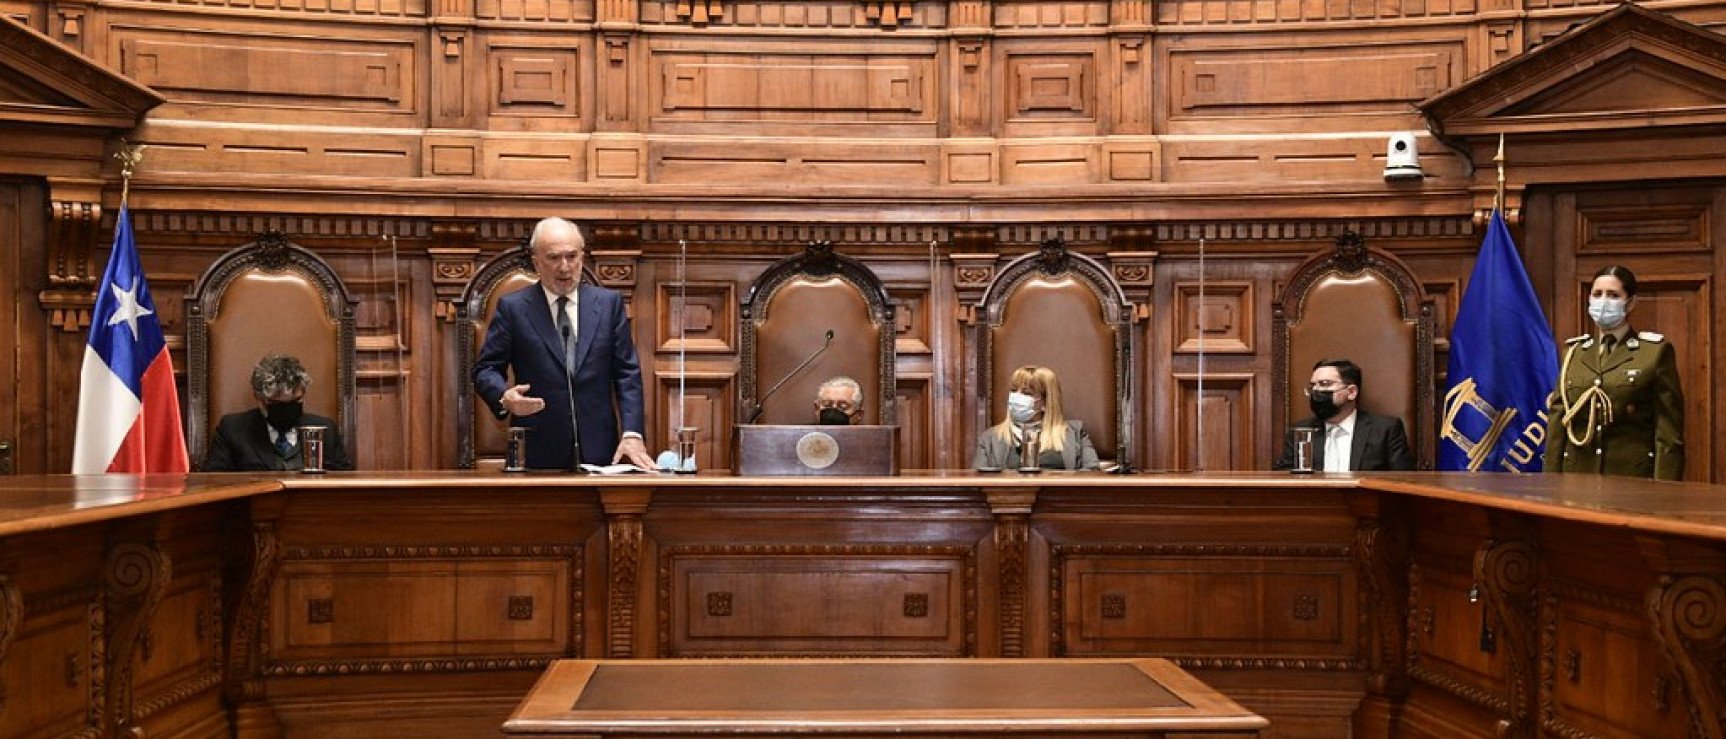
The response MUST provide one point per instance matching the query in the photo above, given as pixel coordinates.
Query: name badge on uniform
(1631, 374)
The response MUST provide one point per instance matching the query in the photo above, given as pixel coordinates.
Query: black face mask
(284, 417)
(1323, 403)
(834, 417)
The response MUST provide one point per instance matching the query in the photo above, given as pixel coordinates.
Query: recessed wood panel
(1050, 164)
(708, 405)
(911, 319)
(1446, 635)
(793, 82)
(278, 71)
(914, 410)
(512, 607)
(1216, 428)
(1269, 607)
(1674, 227)
(1272, 80)
(534, 10)
(530, 81)
(698, 318)
(1602, 674)
(811, 602)
(47, 672)
(1221, 323)
(370, 609)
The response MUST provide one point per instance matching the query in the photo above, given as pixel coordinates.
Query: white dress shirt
(1338, 444)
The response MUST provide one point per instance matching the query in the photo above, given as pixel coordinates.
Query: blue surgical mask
(1607, 313)
(1021, 407)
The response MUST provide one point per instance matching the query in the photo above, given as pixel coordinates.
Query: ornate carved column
(623, 508)
(1012, 511)
(1506, 573)
(1687, 608)
(134, 579)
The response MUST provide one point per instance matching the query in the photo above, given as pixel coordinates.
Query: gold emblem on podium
(817, 450)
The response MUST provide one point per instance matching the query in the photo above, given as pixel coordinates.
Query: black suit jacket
(1379, 443)
(242, 444)
(523, 341)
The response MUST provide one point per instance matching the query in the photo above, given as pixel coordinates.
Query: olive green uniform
(1637, 414)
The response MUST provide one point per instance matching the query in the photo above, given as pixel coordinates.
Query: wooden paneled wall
(406, 141)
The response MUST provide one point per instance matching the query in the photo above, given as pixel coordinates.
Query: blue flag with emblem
(1503, 363)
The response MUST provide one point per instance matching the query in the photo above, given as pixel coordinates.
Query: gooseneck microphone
(569, 387)
(759, 407)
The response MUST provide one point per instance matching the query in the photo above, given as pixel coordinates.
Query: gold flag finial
(1498, 196)
(130, 155)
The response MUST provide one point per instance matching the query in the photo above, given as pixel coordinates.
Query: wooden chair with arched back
(786, 317)
(267, 297)
(1361, 304)
(479, 436)
(1062, 310)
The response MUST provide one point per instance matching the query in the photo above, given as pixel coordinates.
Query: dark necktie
(283, 446)
(567, 331)
(1606, 343)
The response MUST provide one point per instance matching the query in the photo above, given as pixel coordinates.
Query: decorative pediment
(1630, 67)
(43, 82)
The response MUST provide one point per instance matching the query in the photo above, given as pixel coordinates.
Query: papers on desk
(621, 468)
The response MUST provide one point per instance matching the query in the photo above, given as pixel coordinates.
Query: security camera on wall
(1401, 160)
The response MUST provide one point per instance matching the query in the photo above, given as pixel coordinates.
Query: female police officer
(1618, 409)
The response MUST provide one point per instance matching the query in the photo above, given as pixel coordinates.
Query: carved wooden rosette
(1506, 573)
(1689, 615)
(134, 580)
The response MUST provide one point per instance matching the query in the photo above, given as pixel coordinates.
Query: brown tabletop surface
(910, 696)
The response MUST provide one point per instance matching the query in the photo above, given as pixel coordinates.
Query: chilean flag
(128, 411)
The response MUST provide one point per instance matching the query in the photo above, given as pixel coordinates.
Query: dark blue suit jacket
(523, 340)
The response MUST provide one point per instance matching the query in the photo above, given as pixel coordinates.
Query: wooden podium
(817, 450)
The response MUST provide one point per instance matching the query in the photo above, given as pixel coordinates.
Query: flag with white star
(128, 410)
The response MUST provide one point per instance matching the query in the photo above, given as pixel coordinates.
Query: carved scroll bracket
(134, 579)
(74, 225)
(454, 256)
(1382, 546)
(1506, 573)
(1687, 606)
(1135, 270)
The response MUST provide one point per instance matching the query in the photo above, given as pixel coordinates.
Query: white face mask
(1021, 407)
(1608, 313)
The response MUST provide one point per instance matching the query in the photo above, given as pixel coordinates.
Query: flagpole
(130, 155)
(1498, 196)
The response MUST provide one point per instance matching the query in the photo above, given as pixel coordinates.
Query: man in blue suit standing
(573, 360)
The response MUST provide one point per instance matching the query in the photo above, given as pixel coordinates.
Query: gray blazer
(1076, 450)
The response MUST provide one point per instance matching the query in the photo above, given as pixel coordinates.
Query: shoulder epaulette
(1578, 339)
(1650, 336)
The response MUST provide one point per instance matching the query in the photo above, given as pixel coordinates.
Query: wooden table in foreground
(1149, 698)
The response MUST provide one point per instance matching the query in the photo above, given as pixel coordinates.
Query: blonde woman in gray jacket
(1034, 405)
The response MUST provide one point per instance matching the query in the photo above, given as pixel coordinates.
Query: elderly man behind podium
(839, 402)
(573, 362)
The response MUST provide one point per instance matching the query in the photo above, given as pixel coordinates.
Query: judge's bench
(428, 603)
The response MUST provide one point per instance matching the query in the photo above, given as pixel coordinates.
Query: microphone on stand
(574, 421)
(759, 407)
